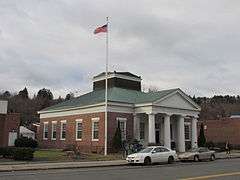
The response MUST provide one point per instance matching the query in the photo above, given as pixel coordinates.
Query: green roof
(114, 95)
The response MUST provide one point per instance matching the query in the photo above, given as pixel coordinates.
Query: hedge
(26, 142)
(17, 153)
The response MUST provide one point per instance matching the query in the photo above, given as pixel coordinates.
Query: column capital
(167, 114)
(151, 113)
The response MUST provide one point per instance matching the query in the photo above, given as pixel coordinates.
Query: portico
(164, 122)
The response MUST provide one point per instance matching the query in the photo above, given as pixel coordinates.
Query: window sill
(78, 139)
(95, 139)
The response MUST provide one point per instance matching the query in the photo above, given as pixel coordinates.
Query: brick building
(224, 129)
(9, 125)
(165, 117)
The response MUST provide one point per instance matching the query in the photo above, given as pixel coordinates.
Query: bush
(23, 154)
(7, 152)
(26, 142)
(17, 153)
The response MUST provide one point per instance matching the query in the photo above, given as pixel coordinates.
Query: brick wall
(86, 144)
(226, 129)
(8, 123)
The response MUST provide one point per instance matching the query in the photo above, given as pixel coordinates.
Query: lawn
(59, 156)
(50, 155)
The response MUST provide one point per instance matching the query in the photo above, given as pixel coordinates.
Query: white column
(151, 128)
(136, 126)
(167, 133)
(194, 132)
(181, 134)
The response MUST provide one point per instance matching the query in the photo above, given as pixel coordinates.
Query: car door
(165, 153)
(156, 153)
(203, 154)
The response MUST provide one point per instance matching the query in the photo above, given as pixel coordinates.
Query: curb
(56, 166)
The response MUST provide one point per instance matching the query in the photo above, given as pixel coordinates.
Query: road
(228, 169)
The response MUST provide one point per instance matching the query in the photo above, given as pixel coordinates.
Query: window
(95, 129)
(123, 127)
(171, 131)
(54, 130)
(45, 130)
(63, 130)
(79, 129)
(187, 132)
(142, 127)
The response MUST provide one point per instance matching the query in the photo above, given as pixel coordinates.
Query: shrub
(7, 152)
(26, 142)
(23, 154)
(117, 139)
(201, 137)
(210, 145)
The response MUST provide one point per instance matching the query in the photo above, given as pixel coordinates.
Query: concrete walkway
(24, 166)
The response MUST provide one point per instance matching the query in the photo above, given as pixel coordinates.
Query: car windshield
(146, 150)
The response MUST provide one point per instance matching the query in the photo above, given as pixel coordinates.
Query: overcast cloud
(193, 45)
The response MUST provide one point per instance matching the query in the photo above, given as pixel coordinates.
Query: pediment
(177, 100)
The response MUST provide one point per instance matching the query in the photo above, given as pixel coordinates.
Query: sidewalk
(60, 165)
(222, 155)
(24, 166)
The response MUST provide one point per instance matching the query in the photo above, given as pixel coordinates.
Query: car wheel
(196, 158)
(147, 161)
(170, 160)
(212, 158)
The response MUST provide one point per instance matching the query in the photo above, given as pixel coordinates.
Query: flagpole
(106, 91)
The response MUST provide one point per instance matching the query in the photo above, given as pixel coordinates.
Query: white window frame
(54, 123)
(124, 120)
(78, 121)
(189, 126)
(93, 121)
(45, 124)
(63, 122)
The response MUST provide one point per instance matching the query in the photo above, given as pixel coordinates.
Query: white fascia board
(118, 76)
(112, 107)
(69, 109)
(183, 95)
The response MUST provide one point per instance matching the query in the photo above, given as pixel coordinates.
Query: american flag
(103, 28)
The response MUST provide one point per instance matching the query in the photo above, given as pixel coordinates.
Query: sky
(193, 45)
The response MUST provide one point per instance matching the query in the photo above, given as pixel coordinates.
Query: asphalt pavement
(227, 169)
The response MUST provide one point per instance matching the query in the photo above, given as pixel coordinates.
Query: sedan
(152, 154)
(197, 154)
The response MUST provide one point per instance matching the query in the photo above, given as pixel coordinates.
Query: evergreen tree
(117, 139)
(201, 137)
(23, 93)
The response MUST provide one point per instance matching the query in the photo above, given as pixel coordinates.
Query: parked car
(152, 154)
(197, 154)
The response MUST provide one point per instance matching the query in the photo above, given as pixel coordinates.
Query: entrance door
(12, 136)
(157, 135)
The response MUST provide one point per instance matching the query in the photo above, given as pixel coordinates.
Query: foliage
(26, 142)
(23, 154)
(69, 96)
(117, 139)
(23, 93)
(17, 153)
(201, 137)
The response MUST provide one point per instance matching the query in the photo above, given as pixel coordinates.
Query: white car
(152, 154)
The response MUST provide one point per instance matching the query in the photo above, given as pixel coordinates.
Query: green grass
(50, 155)
(59, 156)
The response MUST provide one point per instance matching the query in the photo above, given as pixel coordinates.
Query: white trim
(54, 122)
(112, 75)
(124, 120)
(76, 127)
(44, 130)
(61, 130)
(96, 119)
